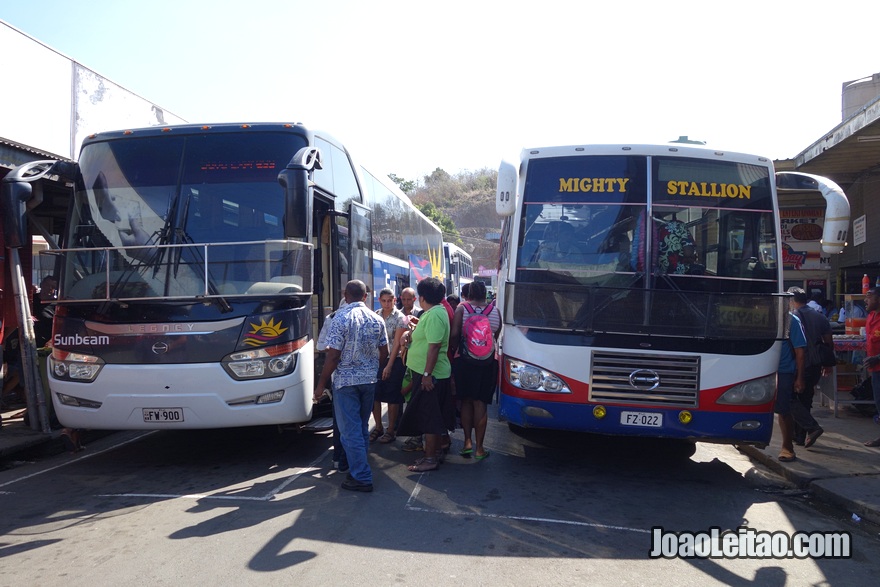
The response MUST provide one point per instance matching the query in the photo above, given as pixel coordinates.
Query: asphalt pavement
(839, 469)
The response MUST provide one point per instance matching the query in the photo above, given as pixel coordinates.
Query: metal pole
(33, 384)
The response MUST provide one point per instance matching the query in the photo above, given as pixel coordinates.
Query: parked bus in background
(197, 268)
(401, 257)
(459, 268)
(641, 290)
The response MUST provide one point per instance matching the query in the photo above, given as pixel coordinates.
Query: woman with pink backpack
(474, 330)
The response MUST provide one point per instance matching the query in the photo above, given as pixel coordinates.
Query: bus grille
(650, 380)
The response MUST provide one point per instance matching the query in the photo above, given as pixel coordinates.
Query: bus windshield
(638, 244)
(190, 216)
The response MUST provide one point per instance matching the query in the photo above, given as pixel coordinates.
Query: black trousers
(802, 403)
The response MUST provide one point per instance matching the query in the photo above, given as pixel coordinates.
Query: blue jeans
(352, 406)
(338, 451)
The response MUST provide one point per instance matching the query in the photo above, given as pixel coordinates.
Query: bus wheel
(532, 434)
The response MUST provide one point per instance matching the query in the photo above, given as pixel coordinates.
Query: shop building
(848, 154)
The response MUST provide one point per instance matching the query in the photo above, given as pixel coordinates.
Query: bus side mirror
(837, 210)
(298, 187)
(505, 202)
(15, 195)
(17, 192)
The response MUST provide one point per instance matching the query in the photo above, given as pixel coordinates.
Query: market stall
(848, 372)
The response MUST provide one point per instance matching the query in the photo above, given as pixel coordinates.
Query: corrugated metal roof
(13, 154)
(847, 151)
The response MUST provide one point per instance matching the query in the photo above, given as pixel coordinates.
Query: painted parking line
(313, 466)
(83, 457)
(409, 505)
(414, 508)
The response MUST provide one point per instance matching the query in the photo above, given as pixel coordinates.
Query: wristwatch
(426, 374)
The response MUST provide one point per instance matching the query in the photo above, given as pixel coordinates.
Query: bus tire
(521, 431)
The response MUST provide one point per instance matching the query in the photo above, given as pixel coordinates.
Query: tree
(447, 226)
(437, 176)
(407, 186)
(468, 199)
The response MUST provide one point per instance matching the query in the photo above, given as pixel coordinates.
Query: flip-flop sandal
(376, 433)
(485, 455)
(466, 452)
(873, 443)
(786, 457)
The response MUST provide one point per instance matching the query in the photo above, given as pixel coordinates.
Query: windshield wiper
(181, 236)
(583, 322)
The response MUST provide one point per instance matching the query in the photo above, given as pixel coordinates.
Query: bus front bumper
(682, 423)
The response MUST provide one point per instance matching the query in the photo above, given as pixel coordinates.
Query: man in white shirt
(816, 302)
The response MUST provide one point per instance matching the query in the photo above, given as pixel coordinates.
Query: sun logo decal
(264, 332)
(436, 258)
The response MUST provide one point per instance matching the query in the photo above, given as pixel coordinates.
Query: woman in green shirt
(431, 411)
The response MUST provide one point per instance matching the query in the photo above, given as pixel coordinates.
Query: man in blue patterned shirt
(356, 344)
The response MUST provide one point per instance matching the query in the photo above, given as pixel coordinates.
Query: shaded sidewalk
(838, 469)
(16, 436)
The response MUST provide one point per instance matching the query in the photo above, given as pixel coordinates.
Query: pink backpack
(477, 339)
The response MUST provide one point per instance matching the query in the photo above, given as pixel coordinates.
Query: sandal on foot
(812, 437)
(375, 433)
(413, 444)
(873, 443)
(425, 464)
(466, 452)
(387, 437)
(786, 456)
(485, 455)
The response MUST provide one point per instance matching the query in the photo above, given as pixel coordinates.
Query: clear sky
(412, 85)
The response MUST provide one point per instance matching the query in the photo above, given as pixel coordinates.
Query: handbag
(827, 356)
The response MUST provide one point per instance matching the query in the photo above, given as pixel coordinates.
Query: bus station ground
(839, 469)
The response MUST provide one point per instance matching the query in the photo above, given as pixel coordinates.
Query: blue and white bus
(641, 289)
(459, 268)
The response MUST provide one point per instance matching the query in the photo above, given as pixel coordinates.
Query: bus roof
(292, 127)
(643, 149)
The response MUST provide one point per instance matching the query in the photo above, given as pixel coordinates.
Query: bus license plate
(647, 419)
(163, 414)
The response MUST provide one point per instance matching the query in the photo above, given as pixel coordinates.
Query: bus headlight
(74, 366)
(247, 369)
(751, 393)
(263, 363)
(532, 378)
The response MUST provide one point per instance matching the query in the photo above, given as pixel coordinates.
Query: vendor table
(845, 375)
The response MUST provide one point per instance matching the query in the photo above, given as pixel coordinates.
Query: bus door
(361, 246)
(330, 262)
(330, 265)
(343, 252)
